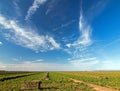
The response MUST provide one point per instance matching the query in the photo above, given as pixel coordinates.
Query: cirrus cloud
(33, 8)
(1, 43)
(25, 37)
(80, 49)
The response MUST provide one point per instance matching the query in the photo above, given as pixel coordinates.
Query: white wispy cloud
(85, 30)
(39, 60)
(18, 59)
(80, 46)
(45, 66)
(64, 25)
(15, 59)
(35, 66)
(17, 8)
(36, 4)
(109, 65)
(82, 58)
(80, 49)
(75, 65)
(84, 61)
(96, 8)
(112, 43)
(25, 37)
(1, 43)
(85, 33)
(51, 6)
(2, 66)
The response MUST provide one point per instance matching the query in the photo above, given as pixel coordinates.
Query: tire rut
(96, 87)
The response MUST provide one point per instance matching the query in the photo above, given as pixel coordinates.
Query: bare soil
(96, 87)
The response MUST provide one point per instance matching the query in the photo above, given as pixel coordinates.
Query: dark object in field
(30, 85)
(106, 78)
(47, 76)
(14, 77)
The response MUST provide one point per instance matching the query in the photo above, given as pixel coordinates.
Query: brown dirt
(96, 87)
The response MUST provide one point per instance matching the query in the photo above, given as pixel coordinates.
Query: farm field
(105, 79)
(62, 81)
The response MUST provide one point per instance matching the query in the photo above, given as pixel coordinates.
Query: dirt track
(96, 87)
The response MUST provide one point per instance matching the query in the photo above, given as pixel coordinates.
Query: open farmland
(105, 79)
(59, 45)
(55, 82)
(62, 81)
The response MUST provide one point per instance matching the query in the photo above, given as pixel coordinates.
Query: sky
(59, 35)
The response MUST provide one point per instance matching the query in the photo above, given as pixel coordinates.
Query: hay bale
(30, 85)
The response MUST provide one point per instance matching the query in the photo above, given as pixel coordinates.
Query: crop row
(54, 81)
(60, 81)
(15, 76)
(15, 84)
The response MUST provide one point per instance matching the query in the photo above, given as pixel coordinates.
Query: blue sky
(59, 35)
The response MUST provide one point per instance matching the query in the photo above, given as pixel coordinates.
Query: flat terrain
(96, 87)
(61, 81)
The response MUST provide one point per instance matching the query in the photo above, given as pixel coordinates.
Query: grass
(107, 79)
(56, 82)
(15, 84)
(60, 81)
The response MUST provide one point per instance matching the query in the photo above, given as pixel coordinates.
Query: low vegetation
(60, 81)
(106, 79)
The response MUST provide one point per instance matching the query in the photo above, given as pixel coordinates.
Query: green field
(60, 81)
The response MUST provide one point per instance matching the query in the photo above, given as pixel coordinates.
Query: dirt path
(96, 87)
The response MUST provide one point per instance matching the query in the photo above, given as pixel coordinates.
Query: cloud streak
(91, 60)
(44, 66)
(85, 33)
(17, 8)
(64, 25)
(1, 43)
(80, 49)
(25, 37)
(35, 66)
(112, 43)
(76, 65)
(33, 8)
(84, 40)
(109, 65)
(51, 6)
(96, 9)
(85, 30)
